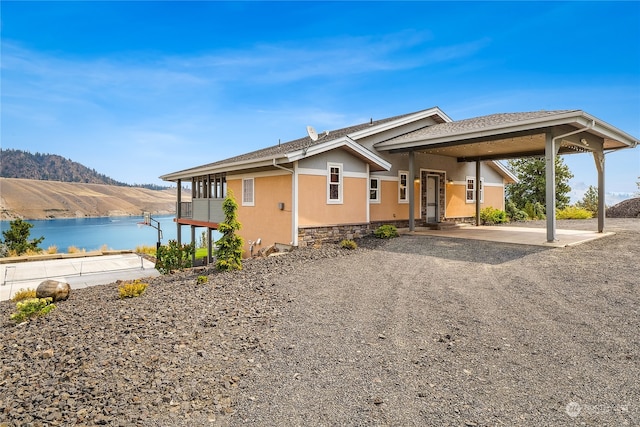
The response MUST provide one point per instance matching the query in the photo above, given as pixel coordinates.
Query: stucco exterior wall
(389, 209)
(457, 207)
(313, 207)
(265, 220)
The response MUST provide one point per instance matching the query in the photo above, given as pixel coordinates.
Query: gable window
(247, 192)
(334, 183)
(403, 190)
(374, 190)
(471, 190)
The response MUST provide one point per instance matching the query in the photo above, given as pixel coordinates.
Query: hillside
(51, 167)
(35, 199)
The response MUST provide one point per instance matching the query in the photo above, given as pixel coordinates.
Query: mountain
(51, 167)
(40, 199)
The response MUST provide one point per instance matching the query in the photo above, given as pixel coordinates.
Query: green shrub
(490, 216)
(174, 256)
(535, 210)
(229, 246)
(573, 212)
(32, 307)
(386, 231)
(23, 294)
(202, 280)
(515, 214)
(348, 244)
(132, 290)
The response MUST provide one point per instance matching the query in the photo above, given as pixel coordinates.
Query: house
(418, 168)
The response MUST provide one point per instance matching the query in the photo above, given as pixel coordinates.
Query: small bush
(348, 244)
(573, 212)
(148, 250)
(535, 210)
(75, 250)
(174, 256)
(201, 280)
(386, 231)
(515, 214)
(32, 307)
(132, 290)
(23, 294)
(490, 216)
(53, 249)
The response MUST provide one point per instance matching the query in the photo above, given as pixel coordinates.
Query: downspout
(294, 202)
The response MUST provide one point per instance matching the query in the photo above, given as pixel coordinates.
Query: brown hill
(629, 208)
(35, 199)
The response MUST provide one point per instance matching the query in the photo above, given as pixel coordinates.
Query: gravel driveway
(428, 331)
(416, 330)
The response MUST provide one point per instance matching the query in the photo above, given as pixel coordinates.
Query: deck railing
(207, 210)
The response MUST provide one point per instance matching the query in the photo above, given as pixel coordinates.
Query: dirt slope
(33, 199)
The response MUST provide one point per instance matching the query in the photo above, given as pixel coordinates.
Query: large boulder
(59, 291)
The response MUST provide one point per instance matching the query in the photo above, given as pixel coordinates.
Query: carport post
(599, 158)
(411, 185)
(550, 153)
(478, 192)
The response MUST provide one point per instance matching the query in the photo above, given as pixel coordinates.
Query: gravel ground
(412, 331)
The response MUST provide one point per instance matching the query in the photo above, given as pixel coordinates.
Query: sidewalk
(78, 272)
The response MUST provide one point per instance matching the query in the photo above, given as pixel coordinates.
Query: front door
(432, 198)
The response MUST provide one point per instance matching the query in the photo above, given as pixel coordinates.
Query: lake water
(114, 232)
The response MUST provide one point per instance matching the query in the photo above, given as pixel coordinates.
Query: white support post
(411, 185)
(599, 158)
(477, 189)
(550, 153)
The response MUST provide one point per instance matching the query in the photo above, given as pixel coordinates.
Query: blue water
(114, 232)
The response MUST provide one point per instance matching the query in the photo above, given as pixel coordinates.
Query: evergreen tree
(590, 200)
(16, 238)
(531, 186)
(229, 246)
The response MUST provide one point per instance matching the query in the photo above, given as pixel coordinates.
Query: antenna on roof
(312, 133)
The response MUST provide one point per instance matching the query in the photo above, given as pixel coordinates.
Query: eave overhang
(509, 140)
(376, 163)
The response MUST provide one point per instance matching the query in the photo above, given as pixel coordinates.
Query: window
(403, 191)
(374, 190)
(247, 192)
(471, 190)
(334, 183)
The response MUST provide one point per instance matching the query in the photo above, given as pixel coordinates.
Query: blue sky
(139, 89)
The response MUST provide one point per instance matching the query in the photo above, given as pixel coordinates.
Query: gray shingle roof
(300, 143)
(475, 124)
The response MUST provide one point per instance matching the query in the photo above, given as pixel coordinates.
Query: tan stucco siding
(314, 209)
(265, 220)
(389, 208)
(457, 207)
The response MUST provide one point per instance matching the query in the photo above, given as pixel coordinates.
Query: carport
(516, 135)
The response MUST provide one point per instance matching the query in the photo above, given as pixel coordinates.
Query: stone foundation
(309, 236)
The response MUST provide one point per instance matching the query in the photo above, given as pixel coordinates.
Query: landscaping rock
(58, 291)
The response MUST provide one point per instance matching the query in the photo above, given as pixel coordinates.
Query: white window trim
(246, 202)
(378, 189)
(409, 182)
(340, 184)
(473, 200)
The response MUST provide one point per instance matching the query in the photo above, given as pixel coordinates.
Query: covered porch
(544, 134)
(518, 235)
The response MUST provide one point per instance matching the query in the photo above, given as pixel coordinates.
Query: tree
(229, 246)
(16, 238)
(590, 200)
(531, 182)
